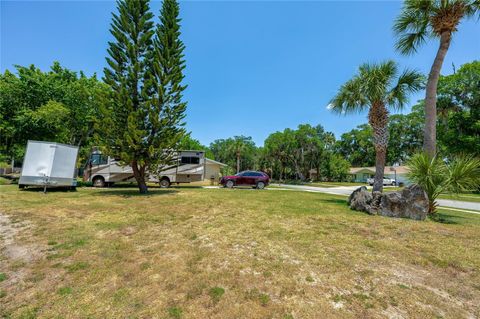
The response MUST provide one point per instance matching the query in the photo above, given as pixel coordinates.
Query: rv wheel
(21, 186)
(165, 183)
(98, 182)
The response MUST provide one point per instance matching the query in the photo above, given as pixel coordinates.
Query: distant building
(212, 170)
(360, 174)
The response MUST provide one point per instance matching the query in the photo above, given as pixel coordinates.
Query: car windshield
(239, 174)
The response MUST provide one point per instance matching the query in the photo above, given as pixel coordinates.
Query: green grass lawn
(4, 181)
(221, 253)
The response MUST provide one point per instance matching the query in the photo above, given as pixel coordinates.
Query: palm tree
(435, 176)
(238, 147)
(431, 19)
(376, 87)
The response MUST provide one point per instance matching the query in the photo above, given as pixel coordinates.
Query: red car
(248, 178)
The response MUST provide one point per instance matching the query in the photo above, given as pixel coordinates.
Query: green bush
(436, 175)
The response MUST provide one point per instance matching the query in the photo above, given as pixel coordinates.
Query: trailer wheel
(98, 181)
(21, 186)
(165, 182)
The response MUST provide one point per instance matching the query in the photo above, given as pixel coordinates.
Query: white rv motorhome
(49, 164)
(186, 167)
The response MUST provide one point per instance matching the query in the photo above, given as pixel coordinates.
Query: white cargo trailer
(49, 164)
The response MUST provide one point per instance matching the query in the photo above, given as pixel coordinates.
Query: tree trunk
(238, 162)
(378, 119)
(380, 155)
(430, 131)
(139, 174)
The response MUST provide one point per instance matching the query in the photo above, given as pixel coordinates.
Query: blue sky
(253, 67)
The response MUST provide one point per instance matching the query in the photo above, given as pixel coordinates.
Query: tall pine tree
(144, 115)
(167, 75)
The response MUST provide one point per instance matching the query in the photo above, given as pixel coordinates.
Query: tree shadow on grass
(337, 201)
(39, 189)
(133, 192)
(445, 218)
(183, 186)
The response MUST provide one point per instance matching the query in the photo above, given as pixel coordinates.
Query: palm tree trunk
(430, 131)
(238, 162)
(378, 119)
(380, 155)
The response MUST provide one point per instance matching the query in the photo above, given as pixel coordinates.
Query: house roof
(210, 161)
(387, 170)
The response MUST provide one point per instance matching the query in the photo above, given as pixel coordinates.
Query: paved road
(347, 190)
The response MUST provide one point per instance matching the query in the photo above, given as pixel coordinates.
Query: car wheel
(165, 183)
(229, 184)
(98, 182)
(260, 185)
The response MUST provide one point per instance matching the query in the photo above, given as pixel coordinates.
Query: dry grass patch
(218, 253)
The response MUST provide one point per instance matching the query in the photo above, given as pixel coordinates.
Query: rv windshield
(98, 159)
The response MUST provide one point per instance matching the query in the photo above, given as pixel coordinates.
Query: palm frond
(472, 9)
(409, 81)
(412, 25)
(463, 174)
(350, 98)
(430, 173)
(376, 79)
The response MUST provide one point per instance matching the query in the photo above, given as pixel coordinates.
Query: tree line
(292, 154)
(136, 111)
(61, 105)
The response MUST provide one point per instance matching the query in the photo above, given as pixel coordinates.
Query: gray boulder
(362, 200)
(411, 202)
(354, 194)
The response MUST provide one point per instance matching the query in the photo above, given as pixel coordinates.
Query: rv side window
(98, 159)
(190, 160)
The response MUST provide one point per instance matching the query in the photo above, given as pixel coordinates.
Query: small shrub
(3, 276)
(264, 299)
(216, 293)
(145, 265)
(309, 279)
(30, 313)
(436, 176)
(2, 293)
(65, 291)
(255, 294)
(175, 312)
(77, 266)
(120, 295)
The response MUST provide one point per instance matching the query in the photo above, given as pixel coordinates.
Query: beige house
(360, 174)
